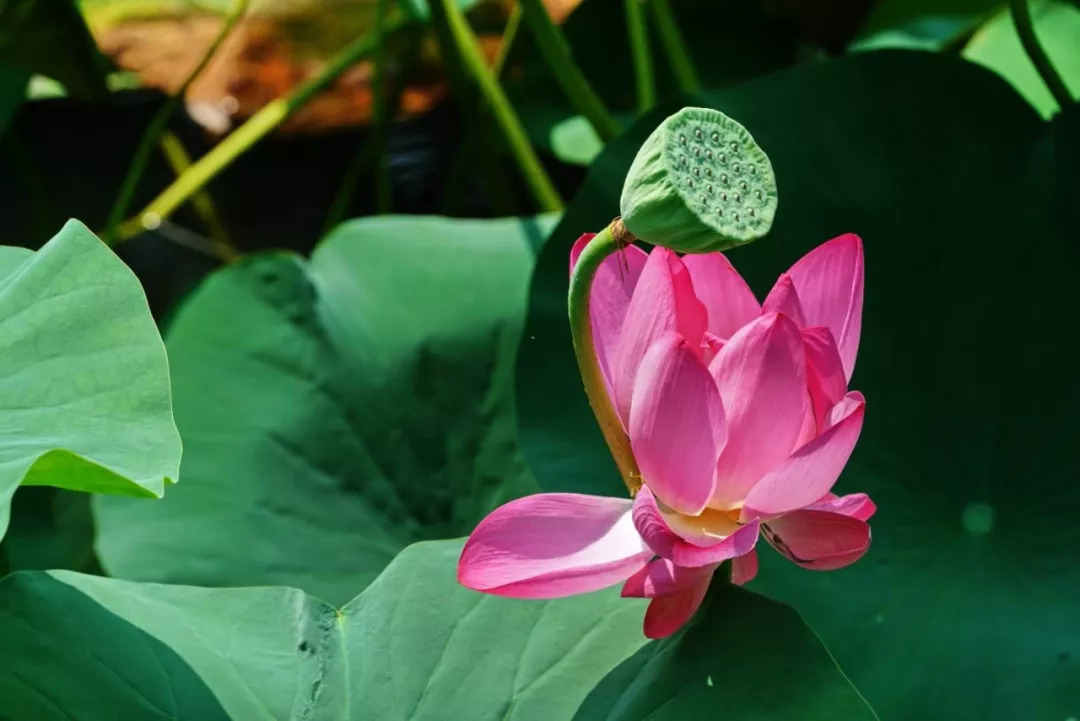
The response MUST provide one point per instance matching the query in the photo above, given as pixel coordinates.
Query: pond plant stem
(641, 53)
(474, 68)
(251, 132)
(509, 36)
(611, 239)
(157, 125)
(179, 160)
(557, 55)
(1021, 16)
(674, 46)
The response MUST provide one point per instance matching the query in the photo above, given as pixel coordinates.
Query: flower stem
(1021, 16)
(510, 33)
(474, 67)
(157, 126)
(255, 129)
(177, 156)
(675, 47)
(610, 240)
(556, 53)
(642, 55)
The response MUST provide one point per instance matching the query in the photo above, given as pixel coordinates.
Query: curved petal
(761, 376)
(676, 424)
(813, 469)
(551, 545)
(856, 505)
(829, 280)
(663, 578)
(667, 614)
(663, 301)
(783, 298)
(728, 300)
(744, 568)
(652, 526)
(818, 540)
(824, 372)
(612, 287)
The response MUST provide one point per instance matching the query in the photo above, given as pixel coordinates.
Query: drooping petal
(829, 280)
(783, 298)
(744, 568)
(663, 301)
(813, 469)
(818, 540)
(652, 525)
(824, 373)
(676, 424)
(612, 287)
(761, 375)
(728, 300)
(553, 544)
(663, 578)
(856, 505)
(667, 614)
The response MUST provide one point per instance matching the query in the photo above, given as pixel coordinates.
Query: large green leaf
(50, 37)
(1057, 27)
(414, 645)
(84, 383)
(336, 410)
(966, 203)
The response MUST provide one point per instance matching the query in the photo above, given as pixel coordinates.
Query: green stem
(610, 240)
(157, 126)
(179, 160)
(642, 55)
(381, 114)
(1021, 15)
(510, 33)
(675, 47)
(255, 129)
(556, 53)
(447, 13)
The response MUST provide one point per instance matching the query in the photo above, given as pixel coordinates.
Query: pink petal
(676, 424)
(612, 287)
(813, 469)
(551, 545)
(761, 375)
(824, 372)
(651, 524)
(829, 280)
(783, 298)
(663, 578)
(710, 346)
(819, 540)
(663, 301)
(728, 300)
(667, 614)
(856, 505)
(744, 568)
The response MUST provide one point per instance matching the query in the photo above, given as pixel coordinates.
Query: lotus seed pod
(699, 183)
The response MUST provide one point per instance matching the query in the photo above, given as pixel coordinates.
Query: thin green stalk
(510, 33)
(448, 14)
(381, 113)
(158, 124)
(610, 240)
(1021, 15)
(674, 46)
(638, 33)
(556, 53)
(177, 156)
(255, 129)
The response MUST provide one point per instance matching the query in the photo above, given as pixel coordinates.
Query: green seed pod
(699, 183)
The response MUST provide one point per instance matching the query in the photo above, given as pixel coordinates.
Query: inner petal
(705, 529)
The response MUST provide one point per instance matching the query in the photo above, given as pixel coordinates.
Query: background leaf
(84, 384)
(50, 37)
(1057, 26)
(336, 410)
(414, 645)
(961, 195)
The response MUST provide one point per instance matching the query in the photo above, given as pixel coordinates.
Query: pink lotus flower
(739, 418)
